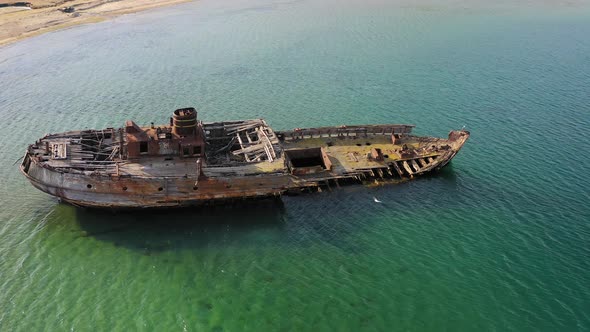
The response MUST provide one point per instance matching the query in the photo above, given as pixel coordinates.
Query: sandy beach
(18, 21)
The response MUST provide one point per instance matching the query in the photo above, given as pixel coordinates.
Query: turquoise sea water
(497, 241)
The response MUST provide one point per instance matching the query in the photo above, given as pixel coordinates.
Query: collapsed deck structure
(189, 162)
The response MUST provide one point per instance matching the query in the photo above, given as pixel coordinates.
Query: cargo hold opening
(307, 161)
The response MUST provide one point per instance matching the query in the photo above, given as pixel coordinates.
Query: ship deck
(353, 153)
(179, 167)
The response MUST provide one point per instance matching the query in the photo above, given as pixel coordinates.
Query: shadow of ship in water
(446, 175)
(331, 217)
(154, 231)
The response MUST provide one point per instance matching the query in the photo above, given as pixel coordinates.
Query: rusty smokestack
(185, 121)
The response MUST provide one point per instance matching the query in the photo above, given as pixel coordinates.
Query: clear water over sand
(497, 241)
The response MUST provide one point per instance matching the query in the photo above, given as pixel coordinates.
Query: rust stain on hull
(188, 162)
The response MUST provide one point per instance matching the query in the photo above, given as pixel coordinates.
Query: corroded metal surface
(190, 163)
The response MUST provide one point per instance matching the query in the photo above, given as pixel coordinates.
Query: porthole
(89, 186)
(160, 189)
(124, 188)
(358, 144)
(367, 143)
(195, 188)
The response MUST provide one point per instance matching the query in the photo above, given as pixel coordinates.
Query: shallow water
(497, 241)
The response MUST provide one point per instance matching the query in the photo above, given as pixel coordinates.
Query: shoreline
(20, 22)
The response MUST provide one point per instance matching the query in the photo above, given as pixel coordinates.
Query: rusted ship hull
(98, 192)
(192, 163)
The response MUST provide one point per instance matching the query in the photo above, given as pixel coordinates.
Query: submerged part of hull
(193, 163)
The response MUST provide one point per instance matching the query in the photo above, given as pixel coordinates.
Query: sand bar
(19, 20)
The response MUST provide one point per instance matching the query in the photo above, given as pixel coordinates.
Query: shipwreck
(190, 162)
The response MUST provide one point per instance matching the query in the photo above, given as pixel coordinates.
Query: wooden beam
(397, 169)
(407, 167)
(241, 145)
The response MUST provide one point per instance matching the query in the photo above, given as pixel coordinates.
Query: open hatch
(307, 161)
